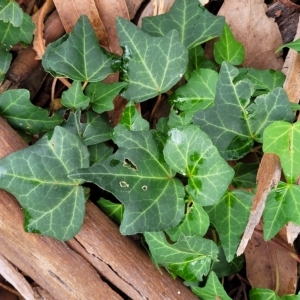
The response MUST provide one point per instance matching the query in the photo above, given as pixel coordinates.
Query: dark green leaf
(140, 178)
(37, 176)
(190, 152)
(151, 65)
(99, 152)
(103, 94)
(177, 118)
(78, 55)
(194, 23)
(190, 257)
(228, 48)
(11, 12)
(5, 61)
(17, 109)
(114, 210)
(245, 175)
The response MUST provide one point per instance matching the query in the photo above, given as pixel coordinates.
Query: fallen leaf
(263, 36)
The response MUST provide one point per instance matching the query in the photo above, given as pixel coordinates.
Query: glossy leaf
(194, 23)
(74, 98)
(282, 206)
(139, 177)
(37, 176)
(190, 257)
(78, 55)
(230, 216)
(283, 139)
(198, 93)
(103, 94)
(245, 175)
(11, 12)
(151, 65)
(190, 152)
(17, 109)
(263, 294)
(234, 122)
(212, 290)
(228, 48)
(113, 210)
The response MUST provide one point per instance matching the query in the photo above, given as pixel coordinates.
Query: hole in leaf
(123, 184)
(129, 164)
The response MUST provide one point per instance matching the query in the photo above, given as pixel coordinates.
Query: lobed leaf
(113, 210)
(263, 294)
(245, 175)
(11, 12)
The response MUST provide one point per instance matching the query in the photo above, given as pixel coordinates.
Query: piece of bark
(67, 274)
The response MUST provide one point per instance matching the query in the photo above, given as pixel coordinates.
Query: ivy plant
(172, 181)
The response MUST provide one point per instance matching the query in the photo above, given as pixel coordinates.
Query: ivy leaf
(228, 48)
(140, 178)
(195, 222)
(282, 206)
(263, 294)
(10, 35)
(5, 61)
(234, 123)
(74, 98)
(194, 23)
(37, 176)
(113, 210)
(295, 45)
(190, 257)
(99, 152)
(198, 93)
(17, 109)
(11, 12)
(212, 290)
(103, 94)
(282, 138)
(78, 55)
(230, 216)
(151, 65)
(190, 152)
(177, 118)
(245, 175)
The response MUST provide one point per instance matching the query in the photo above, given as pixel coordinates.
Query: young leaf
(228, 48)
(263, 294)
(78, 55)
(151, 65)
(74, 98)
(11, 12)
(140, 178)
(17, 109)
(212, 290)
(295, 45)
(103, 94)
(283, 139)
(190, 152)
(198, 93)
(195, 222)
(245, 175)
(190, 257)
(230, 216)
(282, 206)
(194, 23)
(234, 123)
(114, 210)
(38, 177)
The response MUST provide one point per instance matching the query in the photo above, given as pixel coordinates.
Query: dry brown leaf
(133, 6)
(270, 264)
(258, 33)
(268, 176)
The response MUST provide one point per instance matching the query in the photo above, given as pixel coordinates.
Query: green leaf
(198, 93)
(114, 210)
(194, 23)
(283, 139)
(212, 290)
(99, 152)
(263, 294)
(190, 257)
(37, 176)
(245, 175)
(11, 12)
(282, 206)
(151, 65)
(190, 152)
(195, 222)
(291, 297)
(17, 109)
(230, 216)
(103, 94)
(228, 48)
(132, 120)
(234, 122)
(74, 98)
(10, 35)
(5, 61)
(295, 45)
(264, 80)
(140, 178)
(78, 55)
(177, 118)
